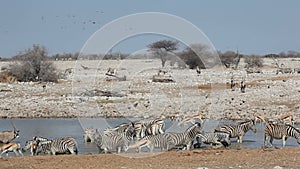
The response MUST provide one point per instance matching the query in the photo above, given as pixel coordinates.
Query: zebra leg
(119, 149)
(283, 141)
(265, 140)
(151, 147)
(72, 151)
(271, 141)
(240, 139)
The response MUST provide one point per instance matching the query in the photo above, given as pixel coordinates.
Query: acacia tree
(161, 49)
(33, 65)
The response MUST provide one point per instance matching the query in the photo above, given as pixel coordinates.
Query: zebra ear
(132, 123)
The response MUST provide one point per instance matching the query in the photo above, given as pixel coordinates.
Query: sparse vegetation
(33, 65)
(253, 61)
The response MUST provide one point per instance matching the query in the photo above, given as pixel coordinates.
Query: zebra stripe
(280, 131)
(218, 139)
(238, 130)
(148, 127)
(117, 141)
(186, 138)
(151, 142)
(42, 147)
(59, 145)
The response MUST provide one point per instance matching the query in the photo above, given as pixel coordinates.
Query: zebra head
(249, 125)
(195, 128)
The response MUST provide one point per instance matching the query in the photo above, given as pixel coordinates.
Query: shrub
(253, 61)
(33, 65)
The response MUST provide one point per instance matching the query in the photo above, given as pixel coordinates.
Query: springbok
(8, 136)
(259, 118)
(11, 147)
(30, 144)
(192, 119)
(289, 117)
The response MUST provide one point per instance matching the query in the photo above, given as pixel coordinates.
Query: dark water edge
(61, 127)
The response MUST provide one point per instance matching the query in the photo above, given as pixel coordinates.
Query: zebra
(117, 141)
(186, 138)
(152, 141)
(119, 129)
(238, 130)
(280, 131)
(155, 127)
(88, 135)
(143, 128)
(219, 139)
(59, 145)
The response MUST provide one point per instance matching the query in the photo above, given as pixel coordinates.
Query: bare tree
(33, 65)
(161, 48)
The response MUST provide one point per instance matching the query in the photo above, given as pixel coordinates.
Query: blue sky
(254, 27)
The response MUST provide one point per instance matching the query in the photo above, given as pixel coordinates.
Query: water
(60, 127)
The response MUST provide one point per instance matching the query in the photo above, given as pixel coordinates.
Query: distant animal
(238, 130)
(111, 71)
(280, 131)
(11, 147)
(198, 70)
(243, 86)
(8, 136)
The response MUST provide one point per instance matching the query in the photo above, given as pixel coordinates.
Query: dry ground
(245, 158)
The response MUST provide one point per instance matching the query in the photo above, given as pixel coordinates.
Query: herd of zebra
(152, 134)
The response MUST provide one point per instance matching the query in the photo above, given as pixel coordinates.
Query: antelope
(11, 147)
(289, 117)
(111, 71)
(32, 145)
(192, 119)
(8, 136)
(259, 117)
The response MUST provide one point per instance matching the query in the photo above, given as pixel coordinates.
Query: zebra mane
(197, 124)
(247, 121)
